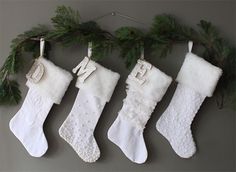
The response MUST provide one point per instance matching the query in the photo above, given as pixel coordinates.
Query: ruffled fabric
(142, 98)
(137, 109)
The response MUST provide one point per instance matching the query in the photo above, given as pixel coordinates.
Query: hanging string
(115, 13)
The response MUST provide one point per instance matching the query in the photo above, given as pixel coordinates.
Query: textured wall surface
(213, 129)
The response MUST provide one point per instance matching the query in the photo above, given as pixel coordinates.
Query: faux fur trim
(155, 85)
(199, 74)
(54, 81)
(101, 83)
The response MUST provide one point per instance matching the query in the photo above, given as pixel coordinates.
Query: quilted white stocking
(96, 85)
(197, 80)
(47, 84)
(146, 85)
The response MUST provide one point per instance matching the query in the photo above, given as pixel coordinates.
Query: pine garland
(9, 88)
(165, 32)
(68, 30)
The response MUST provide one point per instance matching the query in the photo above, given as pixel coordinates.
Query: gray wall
(213, 129)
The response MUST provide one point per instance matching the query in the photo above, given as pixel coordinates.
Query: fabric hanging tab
(90, 49)
(142, 53)
(42, 46)
(190, 46)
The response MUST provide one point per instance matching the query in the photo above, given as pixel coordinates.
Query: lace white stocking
(175, 123)
(78, 128)
(146, 85)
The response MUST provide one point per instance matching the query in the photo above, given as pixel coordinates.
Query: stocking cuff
(101, 83)
(155, 85)
(54, 81)
(199, 74)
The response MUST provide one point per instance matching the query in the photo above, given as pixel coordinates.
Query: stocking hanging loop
(190, 46)
(90, 45)
(37, 70)
(42, 47)
(142, 53)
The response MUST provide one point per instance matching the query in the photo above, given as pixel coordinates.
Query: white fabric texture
(155, 80)
(27, 124)
(197, 80)
(54, 82)
(127, 130)
(175, 123)
(101, 83)
(199, 74)
(79, 126)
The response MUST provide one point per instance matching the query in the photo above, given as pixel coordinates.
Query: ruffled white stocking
(146, 85)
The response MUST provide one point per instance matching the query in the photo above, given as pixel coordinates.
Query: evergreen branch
(68, 30)
(165, 32)
(9, 92)
(9, 89)
(130, 41)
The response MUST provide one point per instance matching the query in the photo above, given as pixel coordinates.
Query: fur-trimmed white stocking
(197, 80)
(96, 85)
(47, 85)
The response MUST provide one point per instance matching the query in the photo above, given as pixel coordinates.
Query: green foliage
(68, 30)
(9, 91)
(166, 31)
(65, 18)
(102, 49)
(220, 53)
(130, 41)
(66, 26)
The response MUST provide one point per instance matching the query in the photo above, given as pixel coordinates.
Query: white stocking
(146, 85)
(27, 124)
(79, 126)
(197, 80)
